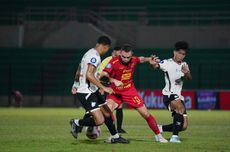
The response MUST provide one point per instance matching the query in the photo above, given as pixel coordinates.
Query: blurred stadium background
(42, 42)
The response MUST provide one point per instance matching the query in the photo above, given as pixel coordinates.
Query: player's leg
(132, 98)
(108, 108)
(152, 123)
(119, 116)
(107, 112)
(89, 102)
(178, 119)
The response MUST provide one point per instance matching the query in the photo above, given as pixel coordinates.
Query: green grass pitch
(47, 130)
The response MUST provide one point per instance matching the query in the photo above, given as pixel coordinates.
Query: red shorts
(130, 97)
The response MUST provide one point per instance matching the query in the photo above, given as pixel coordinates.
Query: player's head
(116, 51)
(180, 50)
(103, 44)
(126, 53)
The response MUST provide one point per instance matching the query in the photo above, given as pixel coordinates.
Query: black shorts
(92, 101)
(167, 100)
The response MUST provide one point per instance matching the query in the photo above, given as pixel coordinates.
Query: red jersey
(122, 72)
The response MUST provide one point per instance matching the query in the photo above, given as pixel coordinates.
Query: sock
(168, 127)
(119, 115)
(152, 124)
(87, 115)
(110, 125)
(178, 121)
(89, 121)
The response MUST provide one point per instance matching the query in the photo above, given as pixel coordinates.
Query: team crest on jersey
(108, 65)
(93, 60)
(162, 61)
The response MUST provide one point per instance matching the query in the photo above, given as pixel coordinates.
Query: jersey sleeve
(95, 60)
(103, 64)
(108, 68)
(163, 65)
(136, 60)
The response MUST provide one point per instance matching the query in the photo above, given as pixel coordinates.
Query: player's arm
(90, 76)
(77, 75)
(106, 76)
(154, 62)
(76, 80)
(151, 59)
(186, 71)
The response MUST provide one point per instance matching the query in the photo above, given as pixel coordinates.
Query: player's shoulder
(115, 60)
(92, 52)
(166, 61)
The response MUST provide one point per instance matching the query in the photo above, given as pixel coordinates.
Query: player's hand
(154, 60)
(117, 83)
(108, 90)
(185, 68)
(102, 92)
(74, 87)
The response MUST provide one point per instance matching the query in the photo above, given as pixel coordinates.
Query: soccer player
(119, 112)
(176, 71)
(88, 95)
(120, 72)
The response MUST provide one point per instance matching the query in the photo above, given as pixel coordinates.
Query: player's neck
(98, 49)
(178, 62)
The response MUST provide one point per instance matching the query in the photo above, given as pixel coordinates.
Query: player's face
(105, 48)
(116, 53)
(179, 55)
(126, 56)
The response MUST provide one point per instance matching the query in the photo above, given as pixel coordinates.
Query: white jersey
(173, 77)
(90, 57)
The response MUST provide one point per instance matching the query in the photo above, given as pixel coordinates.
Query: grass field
(47, 130)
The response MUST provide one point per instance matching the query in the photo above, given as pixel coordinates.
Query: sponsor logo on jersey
(93, 104)
(93, 60)
(108, 65)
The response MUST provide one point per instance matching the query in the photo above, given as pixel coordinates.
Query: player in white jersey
(88, 94)
(176, 71)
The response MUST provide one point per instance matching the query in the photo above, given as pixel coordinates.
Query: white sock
(115, 136)
(76, 121)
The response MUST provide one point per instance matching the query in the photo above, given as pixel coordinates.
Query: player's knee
(99, 121)
(180, 110)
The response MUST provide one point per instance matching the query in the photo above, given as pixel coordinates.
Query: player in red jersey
(120, 70)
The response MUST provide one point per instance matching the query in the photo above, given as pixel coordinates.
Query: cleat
(75, 129)
(175, 139)
(160, 138)
(117, 140)
(121, 131)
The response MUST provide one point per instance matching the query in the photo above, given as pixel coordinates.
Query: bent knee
(99, 121)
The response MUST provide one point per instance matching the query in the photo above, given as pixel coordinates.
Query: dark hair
(126, 48)
(181, 45)
(116, 48)
(104, 40)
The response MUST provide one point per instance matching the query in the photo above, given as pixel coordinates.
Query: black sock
(178, 121)
(88, 121)
(110, 125)
(119, 115)
(168, 127)
(87, 115)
